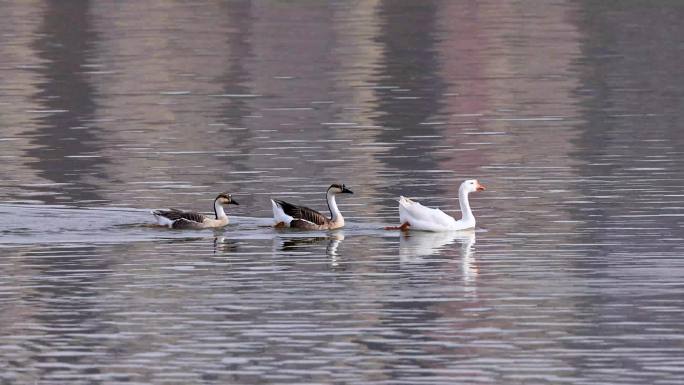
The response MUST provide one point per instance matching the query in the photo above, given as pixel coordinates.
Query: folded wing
(301, 212)
(175, 215)
(419, 216)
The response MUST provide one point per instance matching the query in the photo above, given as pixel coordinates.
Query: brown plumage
(178, 219)
(302, 213)
(182, 219)
(289, 215)
(175, 214)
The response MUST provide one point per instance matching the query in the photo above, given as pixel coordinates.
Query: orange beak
(480, 187)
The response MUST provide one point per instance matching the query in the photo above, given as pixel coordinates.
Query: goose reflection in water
(223, 244)
(333, 238)
(300, 243)
(413, 246)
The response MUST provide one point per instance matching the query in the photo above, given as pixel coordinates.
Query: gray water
(570, 112)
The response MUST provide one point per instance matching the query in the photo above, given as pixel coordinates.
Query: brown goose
(178, 219)
(289, 215)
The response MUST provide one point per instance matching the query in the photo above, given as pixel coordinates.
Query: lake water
(571, 113)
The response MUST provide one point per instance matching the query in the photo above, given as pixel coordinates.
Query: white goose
(178, 219)
(289, 215)
(413, 215)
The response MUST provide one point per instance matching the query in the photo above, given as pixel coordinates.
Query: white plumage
(279, 215)
(413, 215)
(423, 218)
(162, 220)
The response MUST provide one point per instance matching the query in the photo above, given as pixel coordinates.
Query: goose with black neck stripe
(300, 217)
(179, 219)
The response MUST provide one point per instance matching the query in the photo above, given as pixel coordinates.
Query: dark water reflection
(570, 112)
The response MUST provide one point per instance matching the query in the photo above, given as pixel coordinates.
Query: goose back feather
(178, 219)
(302, 213)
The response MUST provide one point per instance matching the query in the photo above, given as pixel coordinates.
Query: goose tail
(280, 219)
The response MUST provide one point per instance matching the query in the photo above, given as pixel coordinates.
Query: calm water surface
(570, 112)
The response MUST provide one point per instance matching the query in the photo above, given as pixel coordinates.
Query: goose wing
(176, 215)
(301, 212)
(412, 211)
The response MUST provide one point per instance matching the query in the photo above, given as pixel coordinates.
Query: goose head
(472, 185)
(225, 198)
(339, 188)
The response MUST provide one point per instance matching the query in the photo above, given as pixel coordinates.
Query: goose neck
(332, 205)
(218, 210)
(466, 212)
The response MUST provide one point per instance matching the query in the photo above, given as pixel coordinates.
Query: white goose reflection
(413, 246)
(469, 266)
(416, 244)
